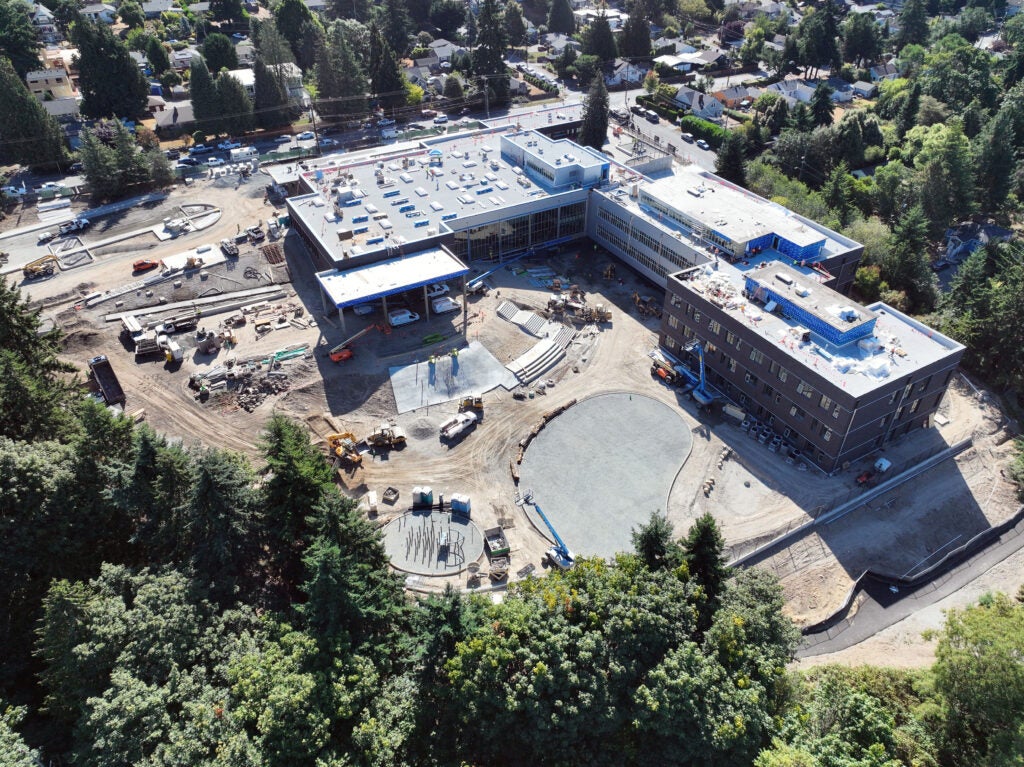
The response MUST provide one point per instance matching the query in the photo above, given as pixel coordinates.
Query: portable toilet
(417, 495)
(460, 504)
(426, 496)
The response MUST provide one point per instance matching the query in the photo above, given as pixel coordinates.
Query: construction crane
(559, 554)
(343, 351)
(41, 267)
(701, 392)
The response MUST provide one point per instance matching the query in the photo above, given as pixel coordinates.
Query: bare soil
(756, 494)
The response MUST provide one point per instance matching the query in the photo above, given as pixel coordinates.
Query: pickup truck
(458, 425)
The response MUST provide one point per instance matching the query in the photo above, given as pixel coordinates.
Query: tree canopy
(110, 82)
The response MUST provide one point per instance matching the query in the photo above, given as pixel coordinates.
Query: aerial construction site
(502, 401)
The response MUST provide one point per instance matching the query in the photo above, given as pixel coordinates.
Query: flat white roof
(359, 284)
(739, 215)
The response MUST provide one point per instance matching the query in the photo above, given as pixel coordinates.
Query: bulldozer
(345, 446)
(41, 267)
(386, 436)
(471, 402)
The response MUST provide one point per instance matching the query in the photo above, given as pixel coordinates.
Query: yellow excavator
(41, 267)
(345, 446)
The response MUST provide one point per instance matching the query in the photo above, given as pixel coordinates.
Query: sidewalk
(102, 210)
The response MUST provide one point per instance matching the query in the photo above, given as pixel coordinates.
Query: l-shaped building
(759, 288)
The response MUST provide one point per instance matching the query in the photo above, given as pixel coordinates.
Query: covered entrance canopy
(343, 288)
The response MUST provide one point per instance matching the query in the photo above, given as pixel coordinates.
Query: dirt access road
(756, 494)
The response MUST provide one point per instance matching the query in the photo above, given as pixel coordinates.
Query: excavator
(41, 267)
(343, 351)
(346, 447)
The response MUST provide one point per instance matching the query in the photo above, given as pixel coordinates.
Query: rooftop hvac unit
(785, 279)
(801, 290)
(634, 190)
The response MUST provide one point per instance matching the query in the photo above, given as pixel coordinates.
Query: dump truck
(458, 425)
(387, 436)
(106, 380)
(41, 267)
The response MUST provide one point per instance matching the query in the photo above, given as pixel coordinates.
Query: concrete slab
(432, 543)
(474, 371)
(600, 469)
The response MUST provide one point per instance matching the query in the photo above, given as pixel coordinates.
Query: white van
(399, 317)
(244, 153)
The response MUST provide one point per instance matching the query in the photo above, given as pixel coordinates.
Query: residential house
(153, 8)
(316, 6)
(701, 104)
(738, 96)
(673, 61)
(99, 13)
(864, 89)
(881, 15)
(793, 91)
(710, 59)
(246, 53)
(61, 58)
(155, 104)
(431, 62)
(290, 72)
(672, 45)
(625, 73)
(183, 59)
(964, 239)
(842, 91)
(556, 43)
(444, 50)
(140, 60)
(586, 16)
(749, 9)
(176, 120)
(887, 71)
(44, 23)
(777, 43)
(56, 91)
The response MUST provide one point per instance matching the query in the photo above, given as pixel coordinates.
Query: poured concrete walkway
(600, 469)
(474, 371)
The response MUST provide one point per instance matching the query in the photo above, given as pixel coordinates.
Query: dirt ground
(756, 495)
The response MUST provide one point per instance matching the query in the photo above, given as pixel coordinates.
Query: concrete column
(465, 311)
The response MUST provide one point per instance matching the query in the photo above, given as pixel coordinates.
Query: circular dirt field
(600, 468)
(432, 543)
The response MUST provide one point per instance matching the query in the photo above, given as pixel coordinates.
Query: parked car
(638, 110)
(240, 37)
(362, 310)
(328, 142)
(445, 304)
(188, 161)
(283, 139)
(227, 146)
(76, 167)
(440, 119)
(45, 237)
(619, 114)
(144, 265)
(703, 144)
(256, 234)
(213, 162)
(688, 138)
(437, 290)
(229, 247)
(651, 116)
(15, 192)
(397, 317)
(172, 154)
(200, 149)
(416, 126)
(74, 225)
(306, 135)
(385, 122)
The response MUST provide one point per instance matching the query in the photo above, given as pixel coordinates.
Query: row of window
(674, 252)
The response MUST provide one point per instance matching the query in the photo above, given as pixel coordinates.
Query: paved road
(882, 608)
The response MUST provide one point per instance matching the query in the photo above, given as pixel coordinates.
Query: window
(797, 413)
(676, 300)
(773, 368)
(673, 322)
(769, 390)
(913, 408)
(696, 316)
(899, 414)
(835, 413)
(670, 342)
(750, 379)
(826, 403)
(783, 375)
(805, 389)
(731, 364)
(730, 338)
(826, 434)
(687, 333)
(714, 327)
(892, 399)
(881, 424)
(756, 356)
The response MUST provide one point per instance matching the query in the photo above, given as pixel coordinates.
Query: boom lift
(343, 351)
(559, 554)
(700, 392)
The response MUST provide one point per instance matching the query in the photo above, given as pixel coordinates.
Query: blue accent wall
(813, 323)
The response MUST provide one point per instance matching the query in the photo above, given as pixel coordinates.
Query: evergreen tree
(913, 26)
(489, 55)
(654, 544)
(273, 109)
(131, 14)
(448, 16)
(227, 10)
(635, 39)
(203, 91)
(30, 135)
(730, 163)
(594, 127)
(234, 105)
(99, 165)
(453, 87)
(110, 82)
(292, 18)
(472, 28)
(599, 41)
(159, 62)
(131, 164)
(817, 38)
(395, 26)
(821, 104)
(838, 193)
(515, 26)
(560, 17)
(18, 37)
(386, 79)
(907, 267)
(995, 161)
(703, 549)
(862, 40)
(219, 53)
